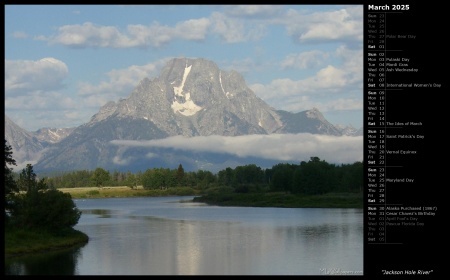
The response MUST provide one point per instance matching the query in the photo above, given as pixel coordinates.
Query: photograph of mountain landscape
(184, 139)
(205, 86)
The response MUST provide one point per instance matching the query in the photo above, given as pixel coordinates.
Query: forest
(310, 178)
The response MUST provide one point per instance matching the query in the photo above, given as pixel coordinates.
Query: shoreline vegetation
(220, 197)
(20, 242)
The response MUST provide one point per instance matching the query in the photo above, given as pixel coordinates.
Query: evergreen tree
(100, 176)
(180, 175)
(41, 207)
(27, 178)
(9, 184)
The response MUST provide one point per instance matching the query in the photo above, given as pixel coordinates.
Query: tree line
(31, 203)
(313, 177)
(36, 202)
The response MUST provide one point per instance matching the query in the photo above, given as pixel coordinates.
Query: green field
(123, 191)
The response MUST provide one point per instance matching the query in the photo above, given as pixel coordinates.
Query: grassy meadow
(124, 191)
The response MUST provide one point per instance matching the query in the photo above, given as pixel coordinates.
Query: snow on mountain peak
(186, 107)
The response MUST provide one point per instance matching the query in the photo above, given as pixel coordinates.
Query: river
(175, 236)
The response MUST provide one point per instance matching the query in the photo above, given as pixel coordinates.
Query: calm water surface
(169, 236)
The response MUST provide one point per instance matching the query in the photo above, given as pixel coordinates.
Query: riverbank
(263, 199)
(20, 242)
(329, 200)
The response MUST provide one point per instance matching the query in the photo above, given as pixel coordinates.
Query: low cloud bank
(283, 147)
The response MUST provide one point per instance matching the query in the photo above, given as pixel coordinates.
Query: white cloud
(120, 80)
(121, 161)
(244, 66)
(141, 36)
(238, 23)
(38, 84)
(23, 76)
(352, 63)
(333, 87)
(40, 100)
(324, 26)
(193, 29)
(344, 104)
(88, 35)
(34, 92)
(304, 60)
(283, 147)
(233, 30)
(295, 96)
(25, 157)
(119, 84)
(32, 85)
(328, 78)
(256, 11)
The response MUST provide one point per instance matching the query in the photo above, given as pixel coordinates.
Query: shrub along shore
(20, 242)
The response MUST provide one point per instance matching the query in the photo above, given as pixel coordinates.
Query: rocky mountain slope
(190, 97)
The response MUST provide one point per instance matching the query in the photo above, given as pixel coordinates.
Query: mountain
(194, 97)
(190, 97)
(350, 130)
(27, 147)
(311, 121)
(52, 135)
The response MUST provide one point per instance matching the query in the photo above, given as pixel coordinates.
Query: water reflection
(102, 213)
(62, 262)
(155, 236)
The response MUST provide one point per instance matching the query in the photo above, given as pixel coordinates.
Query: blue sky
(63, 62)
